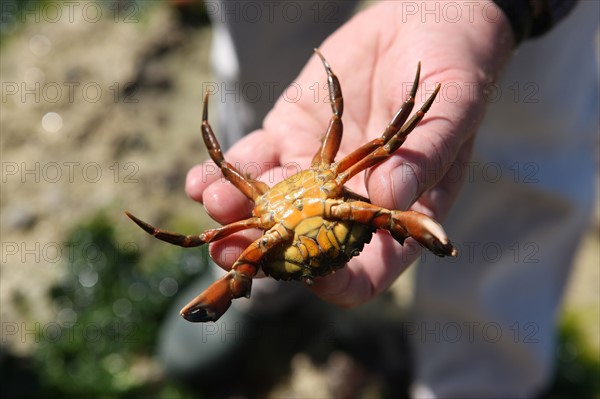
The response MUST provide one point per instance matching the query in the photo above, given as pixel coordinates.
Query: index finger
(254, 154)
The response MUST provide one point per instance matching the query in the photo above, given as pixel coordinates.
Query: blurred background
(100, 113)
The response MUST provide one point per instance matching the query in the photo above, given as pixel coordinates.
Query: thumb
(424, 159)
(393, 184)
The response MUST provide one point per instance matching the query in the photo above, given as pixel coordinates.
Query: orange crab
(312, 224)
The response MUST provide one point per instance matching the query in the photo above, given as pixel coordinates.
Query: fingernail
(404, 186)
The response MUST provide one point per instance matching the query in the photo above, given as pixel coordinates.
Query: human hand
(375, 57)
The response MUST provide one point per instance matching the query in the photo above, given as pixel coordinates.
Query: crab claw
(428, 233)
(213, 302)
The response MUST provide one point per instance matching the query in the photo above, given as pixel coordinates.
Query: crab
(312, 224)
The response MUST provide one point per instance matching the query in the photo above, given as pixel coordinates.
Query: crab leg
(400, 224)
(392, 128)
(216, 299)
(384, 151)
(250, 188)
(197, 240)
(333, 137)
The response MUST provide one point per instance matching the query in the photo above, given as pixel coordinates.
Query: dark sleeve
(532, 18)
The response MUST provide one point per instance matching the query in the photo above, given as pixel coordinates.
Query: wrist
(520, 16)
(492, 38)
(471, 34)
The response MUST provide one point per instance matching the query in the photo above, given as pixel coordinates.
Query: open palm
(375, 56)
